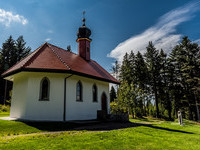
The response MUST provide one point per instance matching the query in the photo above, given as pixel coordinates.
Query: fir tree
(125, 70)
(69, 48)
(153, 64)
(141, 71)
(11, 52)
(112, 94)
(21, 49)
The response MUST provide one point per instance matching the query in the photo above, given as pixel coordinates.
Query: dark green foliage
(130, 97)
(153, 61)
(185, 58)
(4, 108)
(11, 52)
(125, 71)
(69, 48)
(21, 49)
(112, 94)
(141, 72)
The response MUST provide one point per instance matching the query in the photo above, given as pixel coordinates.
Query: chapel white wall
(51, 110)
(19, 96)
(87, 109)
(26, 93)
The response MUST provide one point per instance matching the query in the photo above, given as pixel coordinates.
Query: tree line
(11, 52)
(160, 84)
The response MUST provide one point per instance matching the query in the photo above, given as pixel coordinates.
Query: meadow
(146, 133)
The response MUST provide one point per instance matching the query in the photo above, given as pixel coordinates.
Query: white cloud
(7, 17)
(162, 34)
(47, 39)
(197, 41)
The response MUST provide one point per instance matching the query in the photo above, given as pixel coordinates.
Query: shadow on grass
(168, 129)
(145, 119)
(96, 126)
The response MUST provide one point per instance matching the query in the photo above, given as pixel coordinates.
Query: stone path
(7, 118)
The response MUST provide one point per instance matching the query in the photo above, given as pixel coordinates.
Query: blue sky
(117, 26)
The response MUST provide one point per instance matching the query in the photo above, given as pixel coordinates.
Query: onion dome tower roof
(83, 31)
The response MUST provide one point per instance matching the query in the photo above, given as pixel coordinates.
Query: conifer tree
(112, 94)
(174, 75)
(11, 52)
(153, 65)
(164, 88)
(141, 79)
(8, 53)
(141, 71)
(185, 58)
(69, 48)
(125, 70)
(190, 70)
(21, 49)
(132, 66)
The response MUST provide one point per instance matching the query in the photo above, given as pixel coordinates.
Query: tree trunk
(147, 107)
(190, 112)
(197, 109)
(156, 101)
(132, 112)
(144, 108)
(169, 106)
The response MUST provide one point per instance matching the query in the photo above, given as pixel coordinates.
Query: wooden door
(104, 102)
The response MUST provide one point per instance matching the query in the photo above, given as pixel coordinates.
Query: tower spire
(83, 18)
(83, 40)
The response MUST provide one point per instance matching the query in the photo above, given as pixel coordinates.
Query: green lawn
(4, 114)
(143, 134)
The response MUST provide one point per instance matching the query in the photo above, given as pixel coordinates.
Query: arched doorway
(104, 102)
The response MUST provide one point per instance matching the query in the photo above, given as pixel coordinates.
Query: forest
(159, 84)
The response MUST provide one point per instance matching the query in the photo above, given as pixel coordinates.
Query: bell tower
(83, 40)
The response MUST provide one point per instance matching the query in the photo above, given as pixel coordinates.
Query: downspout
(64, 111)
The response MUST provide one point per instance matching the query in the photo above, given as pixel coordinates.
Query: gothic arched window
(79, 91)
(94, 93)
(44, 89)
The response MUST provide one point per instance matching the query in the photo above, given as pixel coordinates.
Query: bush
(4, 108)
(116, 109)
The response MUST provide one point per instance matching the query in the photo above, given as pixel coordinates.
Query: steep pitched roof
(50, 58)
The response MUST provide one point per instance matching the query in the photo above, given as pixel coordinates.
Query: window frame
(81, 91)
(94, 87)
(41, 89)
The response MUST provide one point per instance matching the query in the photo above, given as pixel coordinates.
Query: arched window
(44, 89)
(79, 91)
(94, 93)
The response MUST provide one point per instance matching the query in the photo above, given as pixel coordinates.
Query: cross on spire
(84, 18)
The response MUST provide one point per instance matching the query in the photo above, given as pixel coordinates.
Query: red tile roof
(50, 58)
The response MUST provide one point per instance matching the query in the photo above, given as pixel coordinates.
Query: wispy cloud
(47, 39)
(197, 41)
(7, 17)
(162, 34)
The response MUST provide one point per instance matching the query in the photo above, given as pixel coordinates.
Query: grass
(4, 114)
(147, 133)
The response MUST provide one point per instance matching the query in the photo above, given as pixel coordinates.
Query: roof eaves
(25, 63)
(58, 71)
